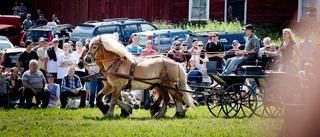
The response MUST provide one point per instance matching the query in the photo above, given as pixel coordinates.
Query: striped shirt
(72, 83)
(35, 80)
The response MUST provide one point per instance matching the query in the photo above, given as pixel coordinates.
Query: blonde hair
(291, 36)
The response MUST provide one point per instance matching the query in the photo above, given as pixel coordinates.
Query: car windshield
(35, 35)
(5, 45)
(164, 39)
(83, 31)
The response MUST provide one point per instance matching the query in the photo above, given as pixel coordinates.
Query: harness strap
(133, 66)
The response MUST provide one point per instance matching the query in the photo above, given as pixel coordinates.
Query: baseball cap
(194, 40)
(176, 43)
(235, 41)
(44, 40)
(184, 43)
(55, 40)
(249, 26)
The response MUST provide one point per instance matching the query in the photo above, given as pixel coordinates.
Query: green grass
(91, 122)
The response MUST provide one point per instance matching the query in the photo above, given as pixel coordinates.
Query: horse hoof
(124, 113)
(104, 108)
(180, 115)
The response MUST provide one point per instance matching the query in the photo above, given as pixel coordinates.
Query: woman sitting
(54, 90)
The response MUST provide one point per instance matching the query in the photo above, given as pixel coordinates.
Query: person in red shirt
(149, 48)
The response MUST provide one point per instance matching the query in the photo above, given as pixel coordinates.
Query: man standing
(27, 23)
(71, 86)
(41, 20)
(44, 44)
(134, 46)
(55, 19)
(306, 47)
(251, 50)
(34, 81)
(26, 56)
(215, 46)
(51, 58)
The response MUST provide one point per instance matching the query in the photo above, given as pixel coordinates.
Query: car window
(107, 29)
(35, 35)
(164, 39)
(84, 31)
(11, 59)
(5, 45)
(129, 29)
(143, 39)
(146, 27)
(12, 32)
(3, 32)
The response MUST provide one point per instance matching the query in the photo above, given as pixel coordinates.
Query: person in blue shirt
(134, 46)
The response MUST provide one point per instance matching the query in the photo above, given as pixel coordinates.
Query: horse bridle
(95, 51)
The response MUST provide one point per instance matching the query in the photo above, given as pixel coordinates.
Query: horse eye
(94, 47)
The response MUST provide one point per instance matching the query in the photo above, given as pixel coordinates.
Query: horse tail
(186, 96)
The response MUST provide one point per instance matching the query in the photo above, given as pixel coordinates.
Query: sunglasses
(184, 45)
(200, 45)
(177, 45)
(214, 36)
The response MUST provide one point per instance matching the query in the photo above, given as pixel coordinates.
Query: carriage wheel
(275, 97)
(231, 101)
(257, 103)
(213, 102)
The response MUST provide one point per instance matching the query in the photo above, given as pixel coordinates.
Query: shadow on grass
(118, 117)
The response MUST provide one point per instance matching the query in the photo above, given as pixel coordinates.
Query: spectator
(64, 60)
(232, 52)
(194, 46)
(22, 11)
(134, 46)
(287, 48)
(15, 84)
(33, 81)
(200, 55)
(177, 38)
(55, 19)
(51, 56)
(185, 50)
(43, 44)
(267, 43)
(251, 50)
(176, 54)
(306, 47)
(149, 48)
(76, 55)
(27, 23)
(71, 46)
(39, 45)
(71, 86)
(215, 45)
(36, 16)
(41, 20)
(3, 84)
(191, 65)
(16, 8)
(54, 90)
(26, 56)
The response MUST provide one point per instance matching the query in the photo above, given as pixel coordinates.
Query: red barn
(247, 11)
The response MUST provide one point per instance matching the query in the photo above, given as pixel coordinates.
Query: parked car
(11, 20)
(4, 44)
(166, 38)
(225, 37)
(4, 38)
(124, 26)
(11, 32)
(10, 56)
(50, 31)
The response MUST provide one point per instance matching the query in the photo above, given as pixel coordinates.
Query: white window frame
(199, 19)
(300, 5)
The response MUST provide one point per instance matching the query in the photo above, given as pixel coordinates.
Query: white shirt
(53, 65)
(77, 55)
(41, 53)
(62, 71)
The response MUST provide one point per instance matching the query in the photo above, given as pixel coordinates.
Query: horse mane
(110, 44)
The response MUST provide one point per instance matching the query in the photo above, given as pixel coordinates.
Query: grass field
(91, 122)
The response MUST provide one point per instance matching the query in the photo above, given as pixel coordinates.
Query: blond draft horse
(158, 73)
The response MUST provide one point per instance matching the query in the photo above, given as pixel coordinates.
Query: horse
(123, 71)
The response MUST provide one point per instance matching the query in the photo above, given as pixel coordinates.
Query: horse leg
(165, 96)
(180, 111)
(155, 107)
(126, 109)
(105, 90)
(113, 101)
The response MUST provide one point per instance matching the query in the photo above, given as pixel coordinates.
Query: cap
(50, 76)
(194, 40)
(44, 40)
(55, 40)
(249, 26)
(176, 43)
(184, 43)
(176, 37)
(235, 41)
(70, 42)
